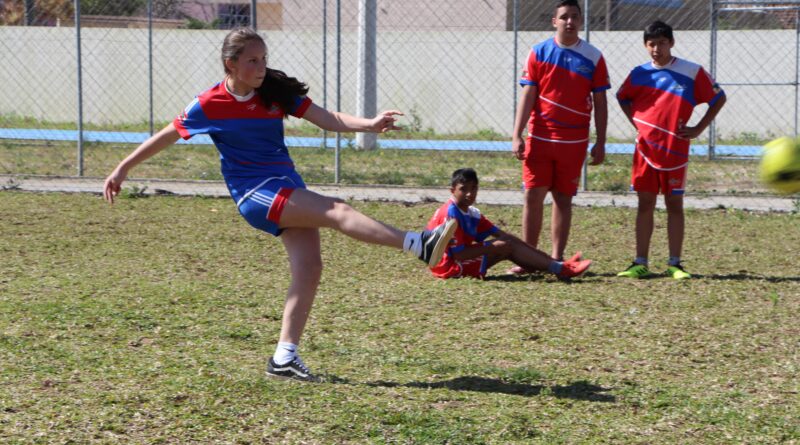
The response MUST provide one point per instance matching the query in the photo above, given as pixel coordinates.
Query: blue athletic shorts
(261, 200)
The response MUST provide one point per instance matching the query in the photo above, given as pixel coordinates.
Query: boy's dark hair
(463, 176)
(560, 3)
(658, 29)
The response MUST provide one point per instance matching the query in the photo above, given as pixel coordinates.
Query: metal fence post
(150, 59)
(325, 66)
(77, 4)
(367, 91)
(712, 128)
(514, 79)
(253, 14)
(796, 64)
(29, 12)
(336, 166)
(585, 171)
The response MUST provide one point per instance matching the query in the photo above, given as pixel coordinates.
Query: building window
(234, 15)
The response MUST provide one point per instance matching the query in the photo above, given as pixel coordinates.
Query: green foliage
(113, 8)
(193, 23)
(489, 134)
(383, 166)
(134, 192)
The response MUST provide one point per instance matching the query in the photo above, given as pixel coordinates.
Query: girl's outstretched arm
(342, 122)
(157, 142)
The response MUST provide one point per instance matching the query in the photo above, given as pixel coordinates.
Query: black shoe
(295, 370)
(435, 241)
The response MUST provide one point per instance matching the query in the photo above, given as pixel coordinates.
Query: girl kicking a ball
(243, 114)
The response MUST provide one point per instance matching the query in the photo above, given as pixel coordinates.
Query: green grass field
(393, 167)
(150, 322)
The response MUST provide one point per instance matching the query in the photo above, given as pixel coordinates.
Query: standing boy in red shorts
(564, 77)
(658, 98)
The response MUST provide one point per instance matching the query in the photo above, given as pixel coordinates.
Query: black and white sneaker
(435, 241)
(295, 370)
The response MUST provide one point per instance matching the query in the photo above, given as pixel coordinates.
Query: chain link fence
(87, 80)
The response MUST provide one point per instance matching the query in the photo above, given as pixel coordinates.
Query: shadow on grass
(515, 278)
(653, 276)
(580, 390)
(541, 276)
(726, 277)
(745, 276)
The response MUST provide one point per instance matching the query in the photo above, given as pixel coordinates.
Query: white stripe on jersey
(682, 67)
(657, 127)
(589, 51)
(562, 106)
(559, 141)
(659, 168)
(583, 48)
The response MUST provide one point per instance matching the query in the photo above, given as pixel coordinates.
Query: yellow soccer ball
(780, 165)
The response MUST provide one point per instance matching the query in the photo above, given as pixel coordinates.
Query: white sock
(413, 243)
(284, 353)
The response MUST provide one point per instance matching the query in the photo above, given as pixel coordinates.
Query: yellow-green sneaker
(678, 273)
(635, 271)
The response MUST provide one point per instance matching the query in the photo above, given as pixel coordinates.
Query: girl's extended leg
(306, 209)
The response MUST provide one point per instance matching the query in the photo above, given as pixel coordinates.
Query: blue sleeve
(486, 233)
(300, 106)
(192, 121)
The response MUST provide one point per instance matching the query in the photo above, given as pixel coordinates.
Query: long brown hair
(277, 86)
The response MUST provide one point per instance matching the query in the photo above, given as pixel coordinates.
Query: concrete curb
(764, 203)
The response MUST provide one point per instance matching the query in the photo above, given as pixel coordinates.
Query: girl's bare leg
(305, 263)
(307, 209)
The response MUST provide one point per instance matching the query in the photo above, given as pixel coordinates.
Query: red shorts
(554, 165)
(474, 268)
(646, 178)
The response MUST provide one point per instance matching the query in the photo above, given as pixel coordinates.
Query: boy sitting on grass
(470, 255)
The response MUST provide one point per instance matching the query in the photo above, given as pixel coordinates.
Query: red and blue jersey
(473, 229)
(662, 100)
(565, 77)
(248, 134)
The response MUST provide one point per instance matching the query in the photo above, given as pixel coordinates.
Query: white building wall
(454, 81)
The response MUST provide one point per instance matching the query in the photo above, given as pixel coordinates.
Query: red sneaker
(575, 258)
(574, 268)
